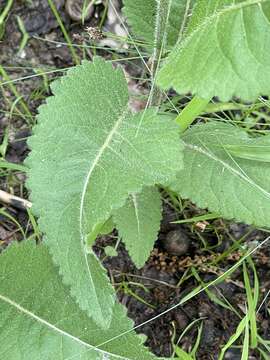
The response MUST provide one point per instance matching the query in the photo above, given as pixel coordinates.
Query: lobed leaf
(213, 177)
(40, 319)
(138, 223)
(224, 52)
(88, 153)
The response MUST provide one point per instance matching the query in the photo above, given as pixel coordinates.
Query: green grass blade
(64, 31)
(11, 218)
(250, 152)
(3, 16)
(13, 166)
(234, 337)
(182, 354)
(209, 216)
(251, 309)
(197, 342)
(245, 349)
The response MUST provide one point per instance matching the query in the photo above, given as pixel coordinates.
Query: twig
(14, 200)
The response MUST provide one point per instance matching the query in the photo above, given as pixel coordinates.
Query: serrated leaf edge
(122, 236)
(56, 329)
(186, 40)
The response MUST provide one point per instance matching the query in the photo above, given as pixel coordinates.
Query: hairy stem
(186, 14)
(163, 8)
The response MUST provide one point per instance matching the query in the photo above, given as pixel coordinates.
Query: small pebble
(176, 242)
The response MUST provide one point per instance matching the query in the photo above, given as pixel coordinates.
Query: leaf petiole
(193, 109)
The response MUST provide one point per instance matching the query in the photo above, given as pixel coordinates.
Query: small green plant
(95, 165)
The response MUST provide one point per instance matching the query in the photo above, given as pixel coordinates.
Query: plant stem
(75, 57)
(25, 35)
(193, 109)
(163, 8)
(219, 107)
(5, 12)
(19, 98)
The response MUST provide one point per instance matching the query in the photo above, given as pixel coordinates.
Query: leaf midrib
(94, 163)
(56, 329)
(235, 172)
(136, 210)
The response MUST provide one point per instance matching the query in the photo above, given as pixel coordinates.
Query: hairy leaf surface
(142, 15)
(231, 186)
(40, 319)
(258, 152)
(224, 51)
(88, 153)
(138, 223)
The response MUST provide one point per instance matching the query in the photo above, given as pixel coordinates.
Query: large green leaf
(39, 319)
(138, 223)
(225, 51)
(213, 177)
(88, 153)
(143, 15)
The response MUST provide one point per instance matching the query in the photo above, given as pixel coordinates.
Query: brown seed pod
(94, 33)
